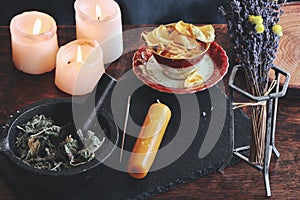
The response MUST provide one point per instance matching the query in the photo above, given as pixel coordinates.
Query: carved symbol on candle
(98, 12)
(37, 27)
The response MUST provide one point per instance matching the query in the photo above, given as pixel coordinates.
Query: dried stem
(255, 51)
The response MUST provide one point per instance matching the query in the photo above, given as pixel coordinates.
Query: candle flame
(79, 54)
(98, 12)
(37, 26)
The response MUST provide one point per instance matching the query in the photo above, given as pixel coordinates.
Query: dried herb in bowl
(44, 145)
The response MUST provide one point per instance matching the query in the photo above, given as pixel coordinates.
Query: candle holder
(100, 20)
(271, 102)
(33, 53)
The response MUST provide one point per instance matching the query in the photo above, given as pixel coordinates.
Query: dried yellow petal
(259, 28)
(255, 19)
(149, 39)
(162, 34)
(179, 40)
(183, 28)
(159, 36)
(185, 41)
(203, 33)
(277, 29)
(195, 78)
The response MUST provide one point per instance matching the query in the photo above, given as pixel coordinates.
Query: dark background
(133, 11)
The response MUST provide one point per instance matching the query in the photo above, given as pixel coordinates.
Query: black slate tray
(205, 132)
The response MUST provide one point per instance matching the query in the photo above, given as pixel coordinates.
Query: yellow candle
(100, 20)
(34, 42)
(149, 140)
(79, 66)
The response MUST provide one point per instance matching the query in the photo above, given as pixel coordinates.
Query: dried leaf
(34, 146)
(44, 145)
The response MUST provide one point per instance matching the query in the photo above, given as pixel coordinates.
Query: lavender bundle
(255, 33)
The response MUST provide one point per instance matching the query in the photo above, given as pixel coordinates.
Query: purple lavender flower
(255, 44)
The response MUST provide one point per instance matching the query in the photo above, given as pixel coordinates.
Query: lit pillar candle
(79, 66)
(34, 42)
(149, 139)
(100, 20)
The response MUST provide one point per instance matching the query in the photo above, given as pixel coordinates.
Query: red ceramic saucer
(212, 67)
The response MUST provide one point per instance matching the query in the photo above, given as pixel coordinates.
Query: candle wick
(98, 12)
(157, 100)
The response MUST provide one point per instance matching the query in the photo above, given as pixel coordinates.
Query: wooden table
(239, 181)
(289, 49)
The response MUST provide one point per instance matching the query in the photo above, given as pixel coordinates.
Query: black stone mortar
(60, 110)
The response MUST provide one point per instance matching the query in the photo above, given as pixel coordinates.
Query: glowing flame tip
(37, 26)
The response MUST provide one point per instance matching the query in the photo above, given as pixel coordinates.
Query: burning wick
(98, 12)
(78, 56)
(37, 27)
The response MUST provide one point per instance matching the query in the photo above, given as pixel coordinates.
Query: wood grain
(239, 181)
(288, 55)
